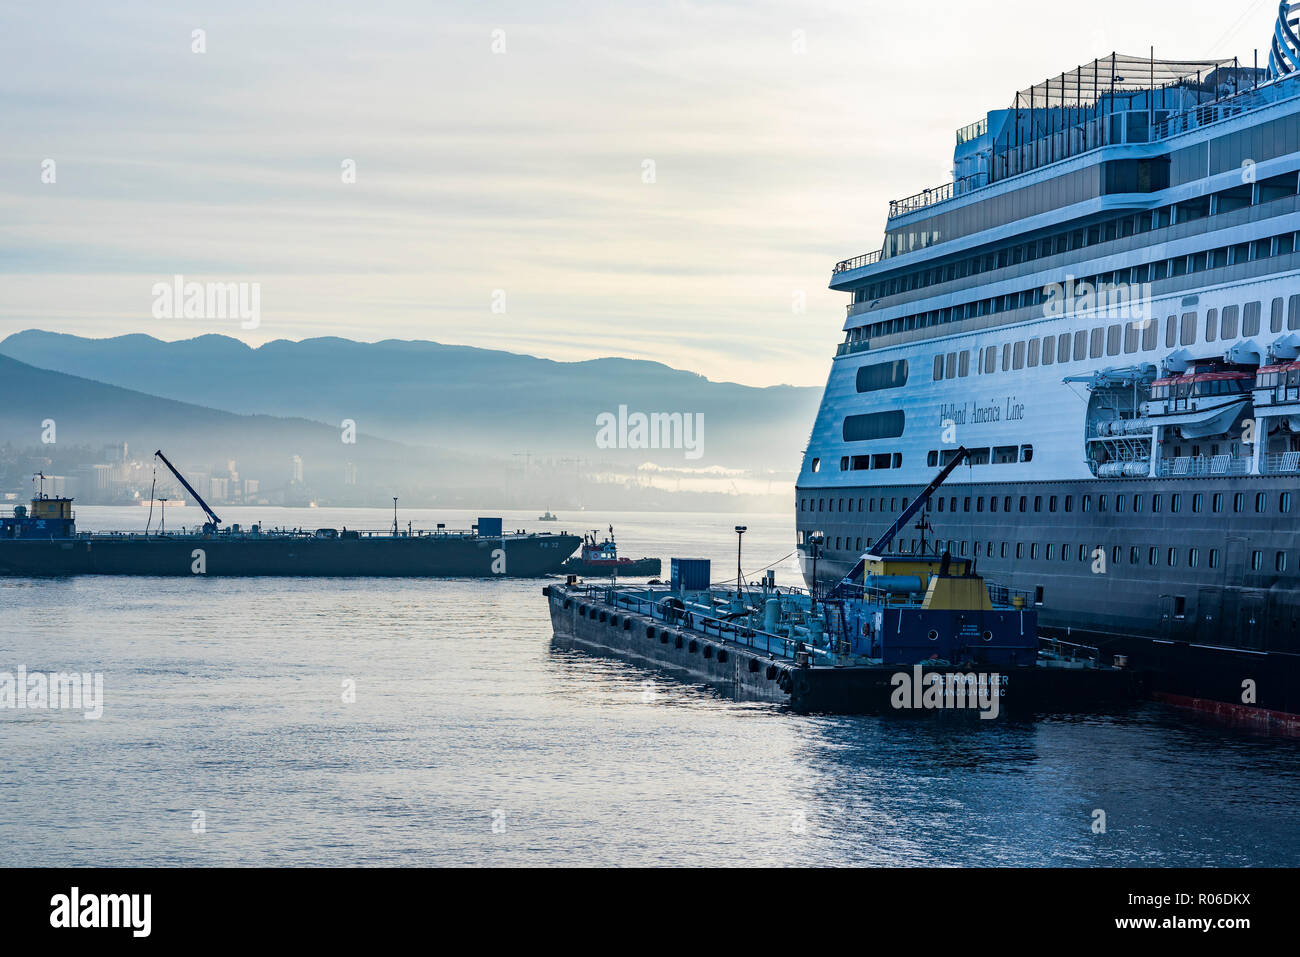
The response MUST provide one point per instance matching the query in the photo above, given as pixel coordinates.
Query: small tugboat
(601, 560)
(900, 634)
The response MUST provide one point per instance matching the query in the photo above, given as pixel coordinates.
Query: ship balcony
(1280, 463)
(1188, 466)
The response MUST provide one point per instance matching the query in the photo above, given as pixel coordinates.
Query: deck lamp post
(815, 543)
(740, 534)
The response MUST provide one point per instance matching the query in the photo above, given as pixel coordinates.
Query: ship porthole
(753, 665)
(988, 636)
(582, 611)
(678, 642)
(604, 617)
(722, 657)
(568, 603)
(664, 640)
(771, 672)
(708, 651)
(933, 635)
(649, 632)
(614, 621)
(627, 624)
(694, 647)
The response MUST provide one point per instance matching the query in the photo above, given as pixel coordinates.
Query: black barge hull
(745, 674)
(641, 568)
(291, 557)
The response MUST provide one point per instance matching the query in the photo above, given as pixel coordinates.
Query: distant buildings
(109, 476)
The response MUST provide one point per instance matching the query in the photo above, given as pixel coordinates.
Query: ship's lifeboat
(1278, 386)
(1200, 402)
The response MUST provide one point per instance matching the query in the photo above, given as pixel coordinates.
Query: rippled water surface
(472, 741)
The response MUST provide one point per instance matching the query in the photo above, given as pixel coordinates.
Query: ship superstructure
(1104, 307)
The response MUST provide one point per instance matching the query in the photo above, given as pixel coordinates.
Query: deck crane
(214, 525)
(881, 544)
(878, 548)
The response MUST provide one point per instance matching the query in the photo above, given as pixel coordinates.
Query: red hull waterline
(1274, 722)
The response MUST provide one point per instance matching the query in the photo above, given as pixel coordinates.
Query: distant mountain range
(475, 401)
(88, 413)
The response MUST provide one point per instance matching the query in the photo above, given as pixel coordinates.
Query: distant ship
(601, 559)
(548, 517)
(43, 541)
(1104, 307)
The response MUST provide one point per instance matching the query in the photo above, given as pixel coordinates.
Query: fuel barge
(908, 635)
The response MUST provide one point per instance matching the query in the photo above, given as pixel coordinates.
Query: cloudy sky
(502, 155)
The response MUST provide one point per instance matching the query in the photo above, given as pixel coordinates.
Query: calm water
(472, 742)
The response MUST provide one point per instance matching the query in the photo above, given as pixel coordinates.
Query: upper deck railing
(1008, 160)
(972, 132)
(927, 197)
(857, 262)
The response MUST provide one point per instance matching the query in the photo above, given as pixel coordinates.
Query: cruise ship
(1103, 306)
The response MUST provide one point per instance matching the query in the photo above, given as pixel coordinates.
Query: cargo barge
(43, 540)
(913, 635)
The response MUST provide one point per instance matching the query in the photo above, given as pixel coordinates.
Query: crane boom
(856, 577)
(882, 543)
(216, 520)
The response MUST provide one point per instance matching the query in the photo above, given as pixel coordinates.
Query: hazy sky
(521, 171)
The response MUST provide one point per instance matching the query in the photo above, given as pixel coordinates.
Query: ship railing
(1010, 160)
(1069, 650)
(732, 631)
(9, 513)
(927, 197)
(1281, 463)
(1200, 465)
(1006, 596)
(857, 262)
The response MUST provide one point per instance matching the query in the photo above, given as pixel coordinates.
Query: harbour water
(226, 738)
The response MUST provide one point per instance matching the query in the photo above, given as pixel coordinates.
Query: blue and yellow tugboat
(901, 633)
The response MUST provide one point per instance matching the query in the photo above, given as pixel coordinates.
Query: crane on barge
(875, 553)
(213, 525)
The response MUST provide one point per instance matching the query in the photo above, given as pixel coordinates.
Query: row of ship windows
(1143, 335)
(1155, 556)
(998, 455)
(1104, 502)
(1119, 279)
(1238, 197)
